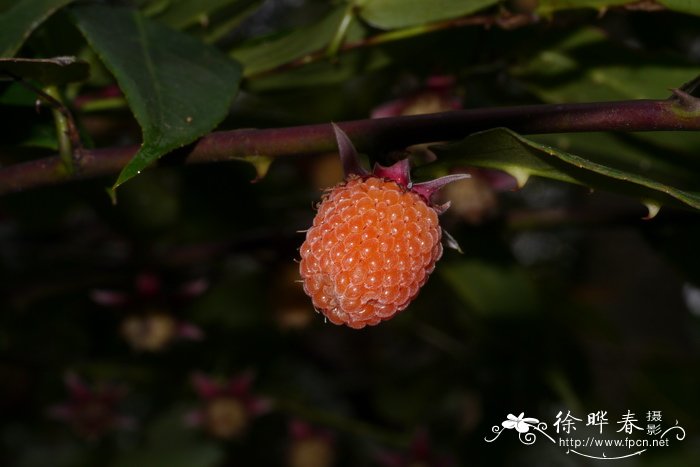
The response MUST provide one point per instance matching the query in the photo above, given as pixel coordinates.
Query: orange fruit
(373, 243)
(371, 248)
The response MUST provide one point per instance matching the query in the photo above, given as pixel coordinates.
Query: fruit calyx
(398, 172)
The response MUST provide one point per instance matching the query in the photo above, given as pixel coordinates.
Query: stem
(70, 147)
(107, 103)
(379, 135)
(341, 32)
(228, 25)
(65, 148)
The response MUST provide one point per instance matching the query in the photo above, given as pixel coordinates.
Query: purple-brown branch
(378, 135)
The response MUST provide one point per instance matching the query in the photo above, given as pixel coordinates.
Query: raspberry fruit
(373, 243)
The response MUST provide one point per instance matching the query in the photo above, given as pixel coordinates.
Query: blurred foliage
(563, 300)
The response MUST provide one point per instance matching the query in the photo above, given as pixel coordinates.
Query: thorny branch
(375, 136)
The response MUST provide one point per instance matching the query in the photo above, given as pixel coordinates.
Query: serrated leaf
(505, 150)
(18, 22)
(177, 87)
(288, 47)
(392, 14)
(57, 70)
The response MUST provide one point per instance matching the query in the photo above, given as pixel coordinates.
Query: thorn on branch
(691, 86)
(687, 101)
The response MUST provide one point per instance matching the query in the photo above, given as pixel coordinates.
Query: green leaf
(547, 7)
(177, 87)
(184, 13)
(322, 73)
(226, 21)
(586, 66)
(505, 150)
(57, 70)
(483, 287)
(295, 44)
(209, 20)
(392, 14)
(6, 5)
(683, 6)
(18, 95)
(41, 136)
(626, 152)
(18, 22)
